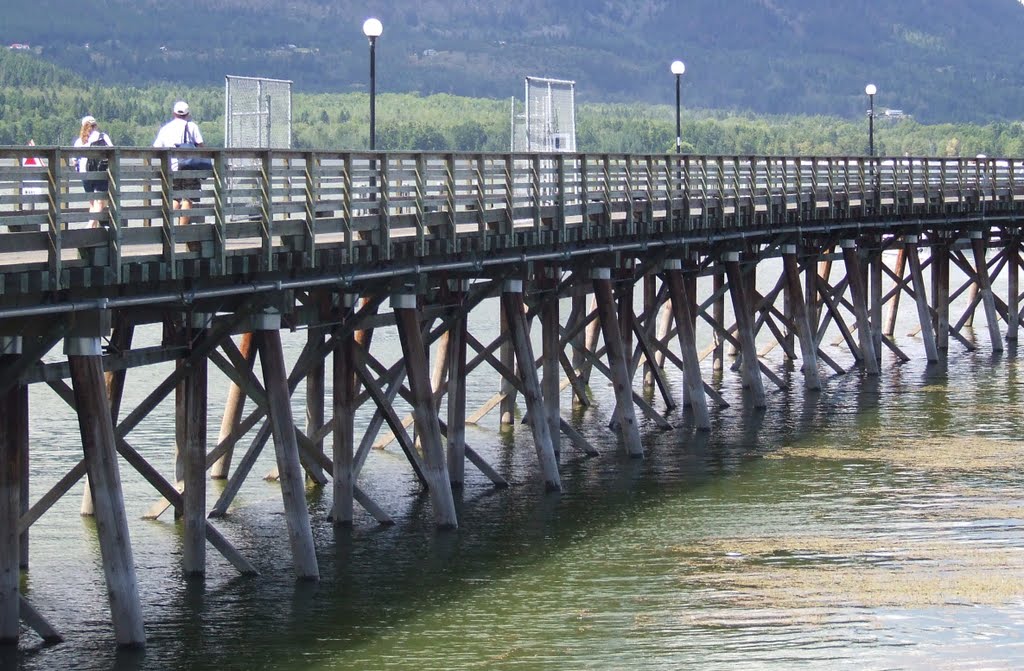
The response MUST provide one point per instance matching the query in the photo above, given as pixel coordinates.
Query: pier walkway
(340, 245)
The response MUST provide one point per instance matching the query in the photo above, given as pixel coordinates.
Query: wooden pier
(342, 245)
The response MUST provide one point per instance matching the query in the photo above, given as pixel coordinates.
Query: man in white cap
(179, 131)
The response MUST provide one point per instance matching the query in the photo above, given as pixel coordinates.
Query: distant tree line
(44, 103)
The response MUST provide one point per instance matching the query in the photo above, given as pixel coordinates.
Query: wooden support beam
(718, 315)
(507, 393)
(577, 313)
(650, 294)
(984, 284)
(921, 299)
(275, 381)
(1013, 289)
(940, 293)
(894, 305)
(194, 392)
(98, 444)
(233, 407)
(874, 298)
(512, 308)
(617, 364)
(683, 304)
(801, 319)
(407, 316)
(456, 451)
(315, 399)
(751, 370)
(547, 279)
(858, 293)
(345, 390)
(13, 449)
(37, 623)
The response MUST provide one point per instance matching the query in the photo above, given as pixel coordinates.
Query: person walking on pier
(90, 135)
(177, 132)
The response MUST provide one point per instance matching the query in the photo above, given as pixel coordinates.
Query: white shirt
(93, 136)
(172, 134)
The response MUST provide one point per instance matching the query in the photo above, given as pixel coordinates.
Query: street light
(678, 68)
(372, 28)
(871, 90)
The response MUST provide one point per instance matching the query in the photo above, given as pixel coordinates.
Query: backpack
(98, 164)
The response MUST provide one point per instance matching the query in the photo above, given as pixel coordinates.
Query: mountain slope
(936, 59)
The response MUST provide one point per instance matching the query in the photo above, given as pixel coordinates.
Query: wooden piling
(233, 408)
(650, 295)
(194, 392)
(414, 352)
(894, 306)
(718, 315)
(984, 284)
(507, 406)
(275, 381)
(617, 362)
(97, 429)
(344, 400)
(751, 369)
(940, 292)
(1013, 288)
(858, 293)
(684, 306)
(13, 449)
(315, 400)
(543, 441)
(924, 314)
(550, 351)
(805, 333)
(456, 434)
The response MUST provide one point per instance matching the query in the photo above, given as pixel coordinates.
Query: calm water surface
(877, 524)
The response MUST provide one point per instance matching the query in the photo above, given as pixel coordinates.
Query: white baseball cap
(88, 119)
(181, 108)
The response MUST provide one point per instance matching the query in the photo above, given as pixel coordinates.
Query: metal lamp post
(678, 68)
(372, 28)
(871, 90)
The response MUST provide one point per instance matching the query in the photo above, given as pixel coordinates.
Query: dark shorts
(187, 184)
(95, 185)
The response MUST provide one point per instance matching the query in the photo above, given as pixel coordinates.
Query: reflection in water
(876, 523)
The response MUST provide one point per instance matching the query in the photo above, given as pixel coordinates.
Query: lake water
(877, 524)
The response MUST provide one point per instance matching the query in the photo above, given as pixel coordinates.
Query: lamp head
(678, 67)
(372, 28)
(871, 89)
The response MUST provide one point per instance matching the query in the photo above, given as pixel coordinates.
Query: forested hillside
(939, 60)
(43, 103)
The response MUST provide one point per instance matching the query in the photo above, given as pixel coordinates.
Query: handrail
(274, 211)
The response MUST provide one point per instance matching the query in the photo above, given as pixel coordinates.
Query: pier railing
(304, 211)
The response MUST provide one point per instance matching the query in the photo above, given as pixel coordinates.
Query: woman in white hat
(91, 136)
